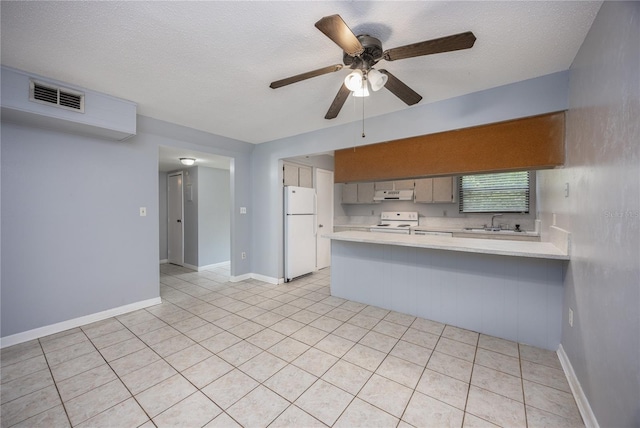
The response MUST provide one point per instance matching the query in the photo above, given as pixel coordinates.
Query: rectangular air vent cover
(57, 96)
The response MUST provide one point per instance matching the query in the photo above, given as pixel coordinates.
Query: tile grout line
(55, 384)
(473, 367)
(524, 398)
(249, 291)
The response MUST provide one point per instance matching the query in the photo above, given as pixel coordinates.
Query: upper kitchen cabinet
(296, 175)
(358, 193)
(434, 190)
(403, 184)
(394, 185)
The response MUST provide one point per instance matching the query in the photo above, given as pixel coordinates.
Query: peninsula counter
(508, 289)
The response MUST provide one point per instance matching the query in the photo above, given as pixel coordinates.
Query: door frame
(175, 174)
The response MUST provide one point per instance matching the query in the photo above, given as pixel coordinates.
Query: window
(495, 193)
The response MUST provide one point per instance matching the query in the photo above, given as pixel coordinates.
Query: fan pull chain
(365, 82)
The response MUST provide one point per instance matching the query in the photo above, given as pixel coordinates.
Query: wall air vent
(56, 96)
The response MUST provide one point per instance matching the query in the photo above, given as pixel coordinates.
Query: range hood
(393, 195)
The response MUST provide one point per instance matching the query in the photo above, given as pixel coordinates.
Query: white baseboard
(263, 278)
(586, 412)
(164, 261)
(215, 265)
(240, 277)
(37, 333)
(206, 267)
(268, 279)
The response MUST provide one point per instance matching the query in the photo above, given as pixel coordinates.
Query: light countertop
(542, 250)
(477, 231)
(505, 232)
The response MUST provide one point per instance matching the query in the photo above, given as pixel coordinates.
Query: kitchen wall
(527, 98)
(73, 243)
(602, 212)
(440, 215)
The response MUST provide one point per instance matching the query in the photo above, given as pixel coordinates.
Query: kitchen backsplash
(444, 215)
(507, 221)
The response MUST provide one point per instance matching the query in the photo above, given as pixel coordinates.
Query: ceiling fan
(362, 52)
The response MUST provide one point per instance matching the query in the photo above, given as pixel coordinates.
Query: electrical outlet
(243, 255)
(243, 210)
(570, 317)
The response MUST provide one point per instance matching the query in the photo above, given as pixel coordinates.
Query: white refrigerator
(299, 231)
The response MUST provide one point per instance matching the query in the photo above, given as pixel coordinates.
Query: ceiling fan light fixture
(354, 80)
(377, 79)
(187, 161)
(362, 91)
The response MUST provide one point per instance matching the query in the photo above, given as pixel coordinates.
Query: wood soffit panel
(530, 143)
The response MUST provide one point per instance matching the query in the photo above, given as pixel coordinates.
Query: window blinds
(495, 193)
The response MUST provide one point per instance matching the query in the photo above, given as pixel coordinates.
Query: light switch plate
(243, 210)
(143, 211)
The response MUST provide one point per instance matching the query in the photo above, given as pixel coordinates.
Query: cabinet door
(304, 176)
(366, 191)
(290, 175)
(350, 193)
(424, 190)
(403, 184)
(384, 185)
(443, 189)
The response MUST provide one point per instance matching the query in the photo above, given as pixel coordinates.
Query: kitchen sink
(487, 229)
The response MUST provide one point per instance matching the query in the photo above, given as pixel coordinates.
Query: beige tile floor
(221, 354)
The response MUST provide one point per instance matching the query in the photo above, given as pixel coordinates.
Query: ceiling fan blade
(400, 90)
(304, 76)
(455, 42)
(335, 28)
(338, 102)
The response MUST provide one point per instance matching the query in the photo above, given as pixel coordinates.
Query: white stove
(396, 222)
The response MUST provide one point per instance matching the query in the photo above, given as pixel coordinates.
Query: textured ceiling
(208, 65)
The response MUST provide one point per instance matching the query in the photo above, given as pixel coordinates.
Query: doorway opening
(195, 209)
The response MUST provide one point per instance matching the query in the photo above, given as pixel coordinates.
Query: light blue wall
(531, 97)
(73, 243)
(190, 217)
(162, 215)
(213, 216)
(602, 212)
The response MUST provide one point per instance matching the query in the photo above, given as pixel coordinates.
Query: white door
(324, 191)
(176, 226)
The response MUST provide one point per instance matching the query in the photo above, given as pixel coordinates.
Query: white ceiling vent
(49, 94)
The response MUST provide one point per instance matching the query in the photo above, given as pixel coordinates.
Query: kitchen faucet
(492, 218)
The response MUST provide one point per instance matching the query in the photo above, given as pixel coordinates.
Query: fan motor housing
(371, 55)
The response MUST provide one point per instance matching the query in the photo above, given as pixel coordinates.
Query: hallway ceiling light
(187, 161)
